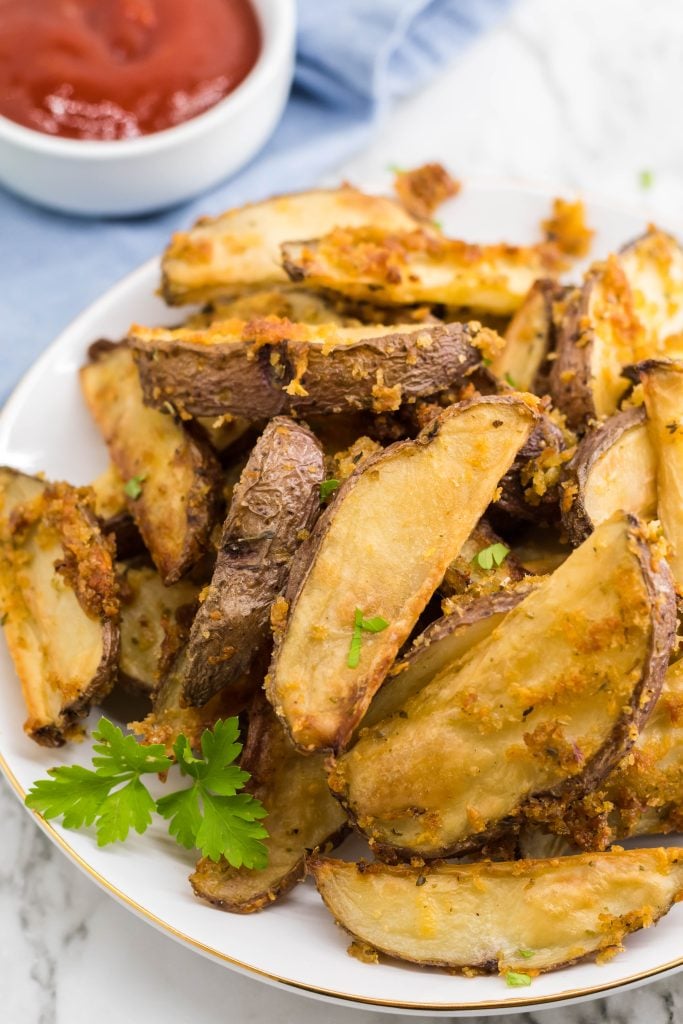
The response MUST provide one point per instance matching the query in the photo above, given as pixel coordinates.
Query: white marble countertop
(576, 93)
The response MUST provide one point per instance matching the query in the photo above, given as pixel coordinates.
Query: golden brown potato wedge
(302, 816)
(506, 730)
(59, 601)
(155, 623)
(241, 248)
(653, 266)
(445, 642)
(172, 476)
(663, 390)
(530, 338)
(286, 302)
(643, 794)
(267, 367)
(526, 916)
(600, 334)
(376, 264)
(273, 506)
(530, 490)
(380, 551)
(613, 468)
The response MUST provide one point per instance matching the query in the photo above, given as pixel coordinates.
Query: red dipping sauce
(116, 69)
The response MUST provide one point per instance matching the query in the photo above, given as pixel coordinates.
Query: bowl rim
(277, 20)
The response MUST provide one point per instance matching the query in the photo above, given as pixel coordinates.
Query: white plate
(45, 426)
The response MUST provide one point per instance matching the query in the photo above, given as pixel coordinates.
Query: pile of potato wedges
(411, 507)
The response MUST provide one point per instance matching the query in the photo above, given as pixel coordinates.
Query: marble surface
(577, 93)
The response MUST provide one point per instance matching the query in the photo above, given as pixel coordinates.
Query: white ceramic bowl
(134, 176)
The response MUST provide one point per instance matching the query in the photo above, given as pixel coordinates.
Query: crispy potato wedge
(466, 575)
(445, 642)
(613, 468)
(394, 268)
(59, 602)
(241, 248)
(530, 337)
(175, 475)
(377, 550)
(600, 334)
(302, 816)
(541, 550)
(663, 391)
(653, 266)
(530, 730)
(527, 916)
(155, 623)
(643, 794)
(274, 504)
(267, 367)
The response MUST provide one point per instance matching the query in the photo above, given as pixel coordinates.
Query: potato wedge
(530, 730)
(527, 916)
(643, 794)
(59, 602)
(275, 503)
(600, 334)
(155, 623)
(302, 816)
(394, 268)
(379, 551)
(530, 490)
(445, 642)
(663, 391)
(175, 475)
(653, 266)
(241, 249)
(267, 367)
(613, 468)
(287, 303)
(530, 337)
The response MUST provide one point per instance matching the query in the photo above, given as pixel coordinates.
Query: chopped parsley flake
(509, 378)
(646, 179)
(327, 488)
(362, 625)
(516, 980)
(526, 953)
(133, 487)
(494, 554)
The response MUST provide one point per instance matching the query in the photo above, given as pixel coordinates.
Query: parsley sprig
(133, 487)
(362, 625)
(211, 815)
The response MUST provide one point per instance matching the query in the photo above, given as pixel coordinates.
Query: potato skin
(575, 517)
(277, 497)
(267, 374)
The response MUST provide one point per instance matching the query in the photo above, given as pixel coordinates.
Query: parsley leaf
(327, 488)
(646, 179)
(133, 487)
(526, 953)
(395, 169)
(211, 815)
(516, 980)
(494, 554)
(509, 378)
(362, 625)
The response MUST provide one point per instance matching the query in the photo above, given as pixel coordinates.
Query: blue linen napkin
(355, 58)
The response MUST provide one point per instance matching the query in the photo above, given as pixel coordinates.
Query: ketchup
(116, 69)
